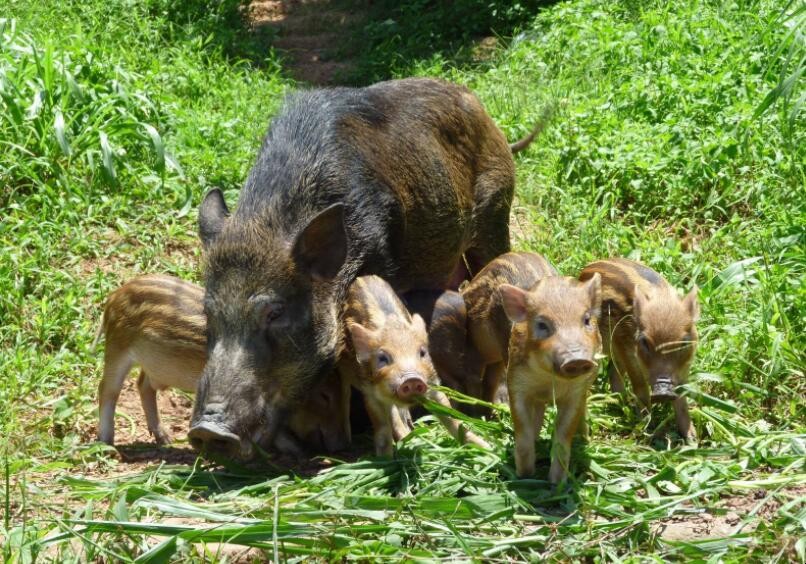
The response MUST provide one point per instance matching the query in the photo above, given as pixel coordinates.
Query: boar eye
(423, 352)
(383, 359)
(643, 342)
(274, 312)
(542, 328)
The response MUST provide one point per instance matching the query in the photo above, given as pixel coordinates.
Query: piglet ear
(419, 324)
(691, 304)
(363, 341)
(514, 301)
(320, 249)
(213, 214)
(594, 288)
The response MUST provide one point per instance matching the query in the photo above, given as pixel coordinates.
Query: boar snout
(210, 437)
(663, 390)
(411, 387)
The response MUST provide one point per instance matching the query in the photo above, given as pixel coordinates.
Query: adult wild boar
(407, 179)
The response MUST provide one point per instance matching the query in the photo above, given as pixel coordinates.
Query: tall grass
(679, 141)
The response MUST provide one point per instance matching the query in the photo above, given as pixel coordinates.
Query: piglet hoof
(558, 477)
(161, 437)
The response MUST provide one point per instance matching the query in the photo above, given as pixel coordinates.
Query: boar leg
(117, 364)
(453, 426)
(569, 414)
(684, 426)
(524, 416)
(491, 238)
(148, 399)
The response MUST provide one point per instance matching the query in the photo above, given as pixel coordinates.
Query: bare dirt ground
(739, 513)
(310, 34)
(135, 443)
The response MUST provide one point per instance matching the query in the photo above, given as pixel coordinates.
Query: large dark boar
(157, 322)
(401, 179)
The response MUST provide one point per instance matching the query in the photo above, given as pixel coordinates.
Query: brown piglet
(648, 332)
(553, 350)
(469, 332)
(385, 356)
(158, 323)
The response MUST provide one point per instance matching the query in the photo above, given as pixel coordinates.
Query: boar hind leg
(494, 190)
(148, 398)
(453, 426)
(684, 426)
(117, 364)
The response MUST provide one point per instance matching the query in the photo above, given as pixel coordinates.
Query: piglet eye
(423, 352)
(542, 329)
(643, 342)
(382, 360)
(588, 320)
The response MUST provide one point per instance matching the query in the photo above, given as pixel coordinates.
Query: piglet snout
(573, 367)
(411, 387)
(663, 390)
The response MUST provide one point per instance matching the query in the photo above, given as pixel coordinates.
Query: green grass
(679, 141)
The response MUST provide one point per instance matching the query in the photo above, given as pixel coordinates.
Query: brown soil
(132, 438)
(309, 33)
(728, 515)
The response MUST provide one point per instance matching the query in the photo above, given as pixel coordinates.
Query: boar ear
(213, 214)
(321, 247)
(594, 288)
(514, 301)
(363, 341)
(691, 303)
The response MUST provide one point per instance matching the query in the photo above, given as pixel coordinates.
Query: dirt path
(310, 35)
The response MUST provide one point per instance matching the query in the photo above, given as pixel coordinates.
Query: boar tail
(545, 117)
